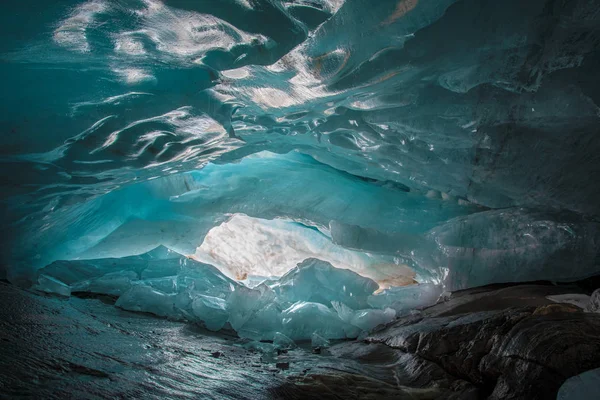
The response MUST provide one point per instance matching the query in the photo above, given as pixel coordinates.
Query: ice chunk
(253, 281)
(114, 283)
(283, 342)
(166, 285)
(318, 341)
(171, 285)
(182, 302)
(79, 271)
(344, 312)
(211, 311)
(318, 281)
(145, 299)
(243, 302)
(577, 299)
(161, 253)
(49, 284)
(404, 298)
(254, 345)
(366, 319)
(205, 279)
(116, 275)
(594, 304)
(158, 262)
(369, 318)
(514, 245)
(303, 319)
(163, 268)
(263, 324)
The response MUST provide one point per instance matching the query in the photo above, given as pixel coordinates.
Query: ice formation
(416, 146)
(583, 301)
(313, 298)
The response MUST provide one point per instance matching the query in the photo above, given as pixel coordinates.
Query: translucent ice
(113, 283)
(511, 245)
(366, 319)
(145, 299)
(283, 342)
(49, 284)
(302, 319)
(580, 300)
(318, 341)
(465, 152)
(263, 324)
(243, 302)
(314, 297)
(369, 318)
(210, 310)
(160, 268)
(594, 304)
(318, 281)
(404, 298)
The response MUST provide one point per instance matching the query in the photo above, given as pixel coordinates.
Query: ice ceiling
(452, 142)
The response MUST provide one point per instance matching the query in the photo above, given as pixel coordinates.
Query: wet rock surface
(510, 343)
(499, 342)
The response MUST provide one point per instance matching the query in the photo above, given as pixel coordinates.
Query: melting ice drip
(314, 299)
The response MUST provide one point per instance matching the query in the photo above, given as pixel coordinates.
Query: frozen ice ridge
(314, 299)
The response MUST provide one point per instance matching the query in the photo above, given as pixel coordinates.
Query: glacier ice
(583, 301)
(283, 342)
(211, 311)
(594, 304)
(49, 284)
(514, 245)
(369, 319)
(405, 298)
(113, 283)
(318, 281)
(302, 319)
(313, 298)
(318, 341)
(146, 299)
(365, 319)
(577, 299)
(263, 324)
(253, 313)
(454, 145)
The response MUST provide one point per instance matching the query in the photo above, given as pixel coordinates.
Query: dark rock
(515, 352)
(283, 365)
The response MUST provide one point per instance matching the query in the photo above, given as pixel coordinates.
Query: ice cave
(300, 199)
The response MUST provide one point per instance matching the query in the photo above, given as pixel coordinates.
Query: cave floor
(52, 347)
(495, 342)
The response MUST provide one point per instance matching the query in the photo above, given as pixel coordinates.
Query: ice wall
(178, 210)
(312, 301)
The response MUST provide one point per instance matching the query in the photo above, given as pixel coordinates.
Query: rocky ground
(497, 342)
